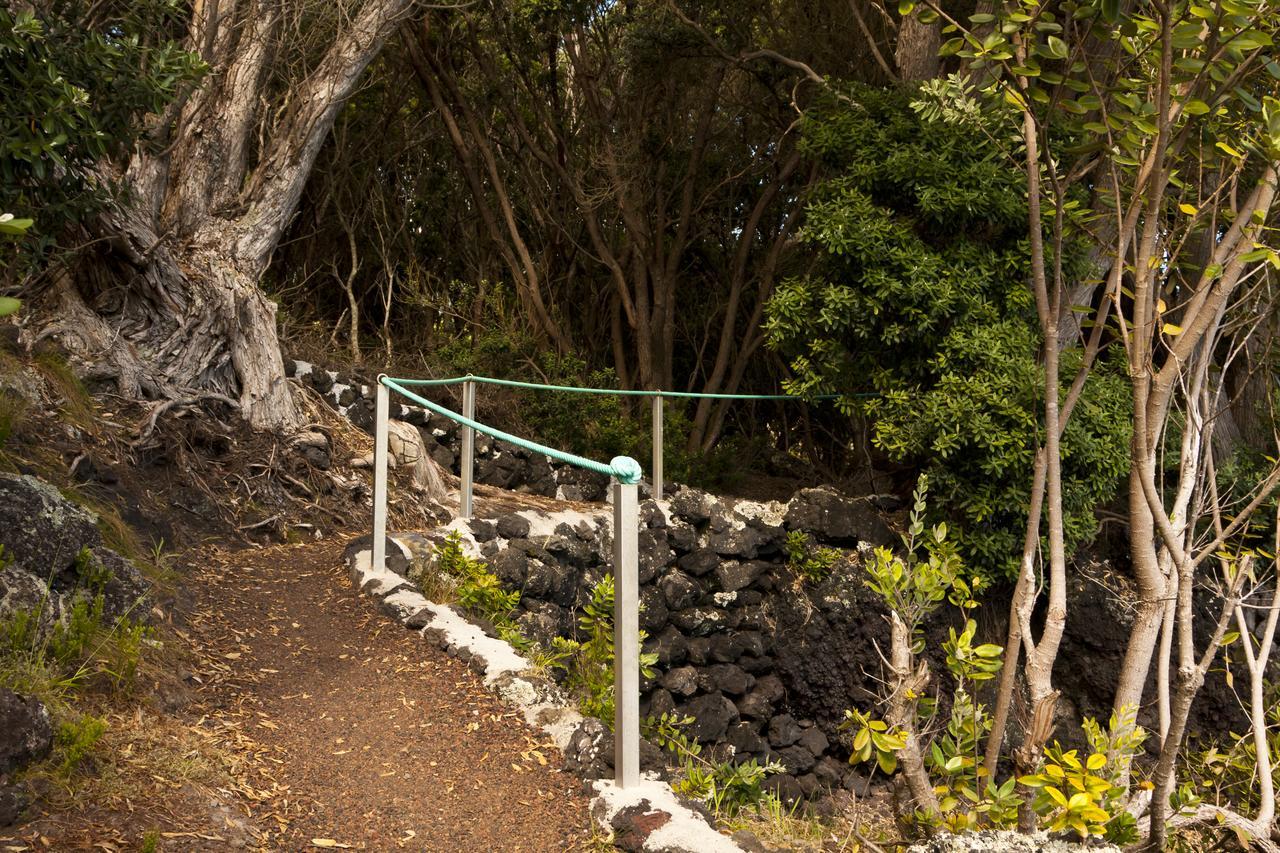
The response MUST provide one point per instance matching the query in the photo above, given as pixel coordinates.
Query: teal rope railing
(625, 472)
(613, 392)
(623, 468)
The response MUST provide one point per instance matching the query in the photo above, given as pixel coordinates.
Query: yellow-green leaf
(1188, 209)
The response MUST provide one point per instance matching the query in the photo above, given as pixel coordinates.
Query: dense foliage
(918, 313)
(78, 81)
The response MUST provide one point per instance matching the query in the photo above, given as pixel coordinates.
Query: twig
(165, 406)
(258, 524)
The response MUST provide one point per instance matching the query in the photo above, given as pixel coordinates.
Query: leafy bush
(1067, 793)
(76, 739)
(726, 787)
(1088, 796)
(806, 559)
(478, 590)
(918, 313)
(587, 662)
(79, 79)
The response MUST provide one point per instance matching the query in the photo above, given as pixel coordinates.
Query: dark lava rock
(815, 741)
(726, 648)
(551, 580)
(755, 705)
(809, 785)
(742, 542)
(836, 518)
(511, 567)
(726, 678)
(681, 681)
(712, 715)
(699, 650)
(756, 665)
(682, 536)
(670, 646)
(733, 576)
(829, 771)
(44, 535)
(783, 730)
(653, 610)
(512, 526)
(692, 505)
(797, 759)
(785, 787)
(541, 621)
(745, 739)
(321, 380)
(770, 686)
(13, 802)
(585, 754)
(661, 702)
(654, 553)
(679, 590)
(699, 562)
(26, 733)
(361, 414)
(702, 621)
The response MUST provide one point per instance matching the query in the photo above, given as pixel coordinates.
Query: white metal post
(657, 446)
(468, 449)
(380, 477)
(626, 636)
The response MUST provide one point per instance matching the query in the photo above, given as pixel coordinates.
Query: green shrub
(478, 590)
(806, 559)
(76, 739)
(726, 787)
(77, 647)
(918, 313)
(587, 662)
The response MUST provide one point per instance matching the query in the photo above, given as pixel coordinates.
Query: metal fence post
(380, 477)
(657, 446)
(626, 635)
(468, 449)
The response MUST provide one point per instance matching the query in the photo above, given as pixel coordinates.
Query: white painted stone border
(501, 666)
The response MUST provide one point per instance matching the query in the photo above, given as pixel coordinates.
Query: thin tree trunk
(916, 52)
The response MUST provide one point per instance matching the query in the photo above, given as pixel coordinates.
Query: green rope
(623, 468)
(613, 392)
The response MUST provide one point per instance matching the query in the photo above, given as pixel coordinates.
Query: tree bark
(916, 52)
(197, 236)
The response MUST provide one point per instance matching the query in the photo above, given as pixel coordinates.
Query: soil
(338, 727)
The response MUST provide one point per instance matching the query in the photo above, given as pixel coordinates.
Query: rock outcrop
(53, 554)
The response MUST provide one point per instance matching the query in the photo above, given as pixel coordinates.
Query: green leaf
(14, 227)
(8, 305)
(1058, 47)
(1231, 152)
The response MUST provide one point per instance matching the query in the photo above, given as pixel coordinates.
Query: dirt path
(366, 734)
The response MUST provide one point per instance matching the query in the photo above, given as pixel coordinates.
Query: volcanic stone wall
(719, 608)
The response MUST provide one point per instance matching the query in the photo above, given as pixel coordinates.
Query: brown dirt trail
(384, 742)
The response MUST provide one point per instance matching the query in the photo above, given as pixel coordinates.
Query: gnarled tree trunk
(172, 305)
